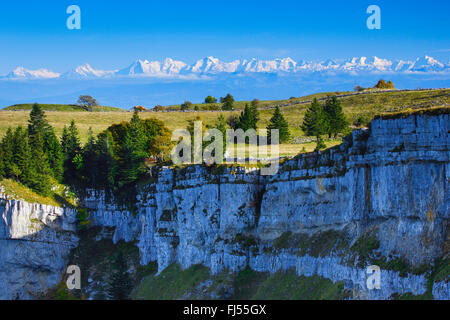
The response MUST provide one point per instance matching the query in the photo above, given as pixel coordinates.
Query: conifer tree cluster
(32, 156)
(278, 122)
(324, 119)
(113, 160)
(118, 156)
(249, 118)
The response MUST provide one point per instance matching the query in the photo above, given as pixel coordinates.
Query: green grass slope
(197, 283)
(364, 106)
(60, 107)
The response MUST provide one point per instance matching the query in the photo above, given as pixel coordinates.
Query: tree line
(112, 160)
(324, 119)
(118, 156)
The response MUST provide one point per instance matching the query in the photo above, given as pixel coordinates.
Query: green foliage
(83, 218)
(175, 283)
(282, 242)
(362, 121)
(210, 99)
(119, 286)
(39, 128)
(410, 112)
(247, 119)
(383, 85)
(32, 157)
(254, 109)
(318, 244)
(246, 241)
(172, 283)
(227, 102)
(62, 293)
(289, 286)
(61, 108)
(233, 121)
(117, 157)
(40, 173)
(278, 122)
(71, 147)
(320, 120)
(221, 125)
(87, 102)
(59, 196)
(315, 122)
(104, 166)
(335, 118)
(187, 105)
(132, 153)
(364, 247)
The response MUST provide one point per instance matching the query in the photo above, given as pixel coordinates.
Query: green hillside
(59, 107)
(359, 109)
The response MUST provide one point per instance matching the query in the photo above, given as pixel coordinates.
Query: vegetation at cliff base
(196, 282)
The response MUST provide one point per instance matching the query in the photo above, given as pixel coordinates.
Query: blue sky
(113, 34)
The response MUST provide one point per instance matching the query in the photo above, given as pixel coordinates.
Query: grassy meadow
(367, 105)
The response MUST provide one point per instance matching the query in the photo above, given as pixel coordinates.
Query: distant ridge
(60, 107)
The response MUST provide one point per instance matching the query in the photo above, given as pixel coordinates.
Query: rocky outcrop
(382, 197)
(35, 242)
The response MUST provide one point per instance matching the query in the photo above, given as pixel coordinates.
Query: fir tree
(221, 125)
(37, 124)
(107, 167)
(335, 117)
(133, 152)
(119, 286)
(54, 153)
(71, 147)
(89, 157)
(314, 123)
(227, 102)
(278, 122)
(39, 176)
(22, 155)
(247, 119)
(2, 164)
(255, 113)
(8, 155)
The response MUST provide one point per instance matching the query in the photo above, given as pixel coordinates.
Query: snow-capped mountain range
(213, 66)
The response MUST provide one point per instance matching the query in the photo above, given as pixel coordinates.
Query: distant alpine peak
(23, 73)
(86, 71)
(211, 65)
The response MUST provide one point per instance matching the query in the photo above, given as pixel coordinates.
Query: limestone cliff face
(381, 196)
(35, 241)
